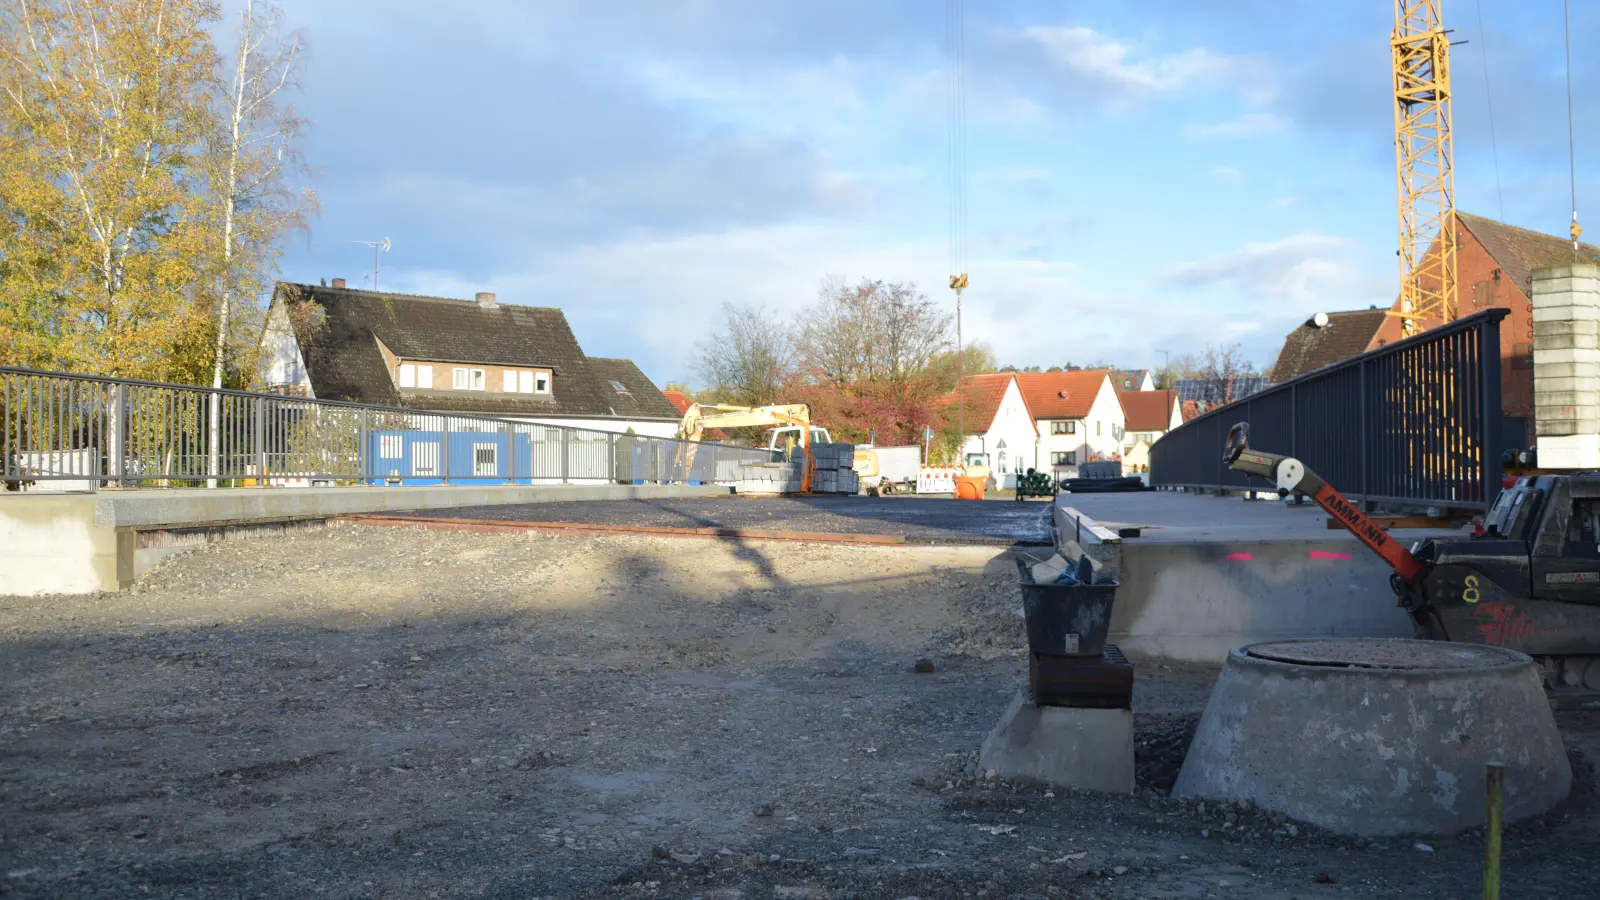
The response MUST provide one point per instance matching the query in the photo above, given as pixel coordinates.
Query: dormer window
(619, 387)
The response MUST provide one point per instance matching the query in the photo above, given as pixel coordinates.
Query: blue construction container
(474, 457)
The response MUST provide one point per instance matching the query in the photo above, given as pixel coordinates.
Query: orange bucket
(969, 488)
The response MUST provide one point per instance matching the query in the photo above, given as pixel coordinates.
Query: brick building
(1494, 268)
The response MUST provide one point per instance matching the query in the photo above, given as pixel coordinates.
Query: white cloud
(1297, 269)
(1253, 124)
(1088, 53)
(1226, 174)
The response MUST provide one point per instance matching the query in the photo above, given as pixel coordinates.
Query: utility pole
(958, 283)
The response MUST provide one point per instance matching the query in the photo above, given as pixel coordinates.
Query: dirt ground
(391, 713)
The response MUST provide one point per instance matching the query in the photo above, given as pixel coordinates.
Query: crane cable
(1494, 142)
(1572, 159)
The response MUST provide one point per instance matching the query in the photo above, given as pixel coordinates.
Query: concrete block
(1086, 749)
(1587, 355)
(1550, 326)
(1049, 570)
(1570, 451)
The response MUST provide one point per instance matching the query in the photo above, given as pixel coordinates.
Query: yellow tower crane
(1423, 164)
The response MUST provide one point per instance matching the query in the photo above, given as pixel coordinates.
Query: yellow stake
(1491, 831)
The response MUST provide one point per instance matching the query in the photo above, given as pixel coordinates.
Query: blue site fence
(1416, 423)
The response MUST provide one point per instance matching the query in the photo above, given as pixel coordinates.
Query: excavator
(792, 423)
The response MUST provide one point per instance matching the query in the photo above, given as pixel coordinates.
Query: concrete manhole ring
(1385, 653)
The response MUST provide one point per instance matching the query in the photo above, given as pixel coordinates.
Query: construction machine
(792, 421)
(1528, 578)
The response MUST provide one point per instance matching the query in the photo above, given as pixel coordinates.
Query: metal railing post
(117, 448)
(363, 449)
(444, 449)
(259, 418)
(1489, 377)
(566, 447)
(611, 458)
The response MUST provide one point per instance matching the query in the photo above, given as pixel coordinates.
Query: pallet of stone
(1082, 682)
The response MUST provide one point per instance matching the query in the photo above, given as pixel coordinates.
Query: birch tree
(252, 153)
(102, 104)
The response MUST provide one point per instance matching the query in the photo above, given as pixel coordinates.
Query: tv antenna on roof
(377, 247)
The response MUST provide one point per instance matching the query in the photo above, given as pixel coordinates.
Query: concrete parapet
(83, 543)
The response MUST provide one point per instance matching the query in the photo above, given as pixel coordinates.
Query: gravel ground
(937, 520)
(393, 713)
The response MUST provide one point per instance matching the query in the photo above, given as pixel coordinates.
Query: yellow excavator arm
(697, 418)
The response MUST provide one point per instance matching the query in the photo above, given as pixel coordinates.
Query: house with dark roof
(1133, 379)
(1494, 268)
(1000, 431)
(1325, 339)
(439, 354)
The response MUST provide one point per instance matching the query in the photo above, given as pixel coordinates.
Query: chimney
(338, 282)
(486, 300)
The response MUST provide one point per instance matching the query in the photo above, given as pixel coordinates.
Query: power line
(1572, 157)
(1488, 93)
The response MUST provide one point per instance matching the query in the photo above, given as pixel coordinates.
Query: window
(408, 375)
(458, 379)
(425, 458)
(619, 387)
(1001, 457)
(485, 459)
(525, 382)
(389, 446)
(1060, 427)
(425, 376)
(1097, 429)
(479, 380)
(510, 381)
(1066, 458)
(541, 383)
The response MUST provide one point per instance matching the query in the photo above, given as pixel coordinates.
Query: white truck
(888, 470)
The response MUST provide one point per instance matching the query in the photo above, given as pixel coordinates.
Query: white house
(1000, 432)
(1150, 414)
(1133, 379)
(1077, 416)
(459, 356)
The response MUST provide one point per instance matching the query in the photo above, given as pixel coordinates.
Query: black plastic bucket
(1066, 619)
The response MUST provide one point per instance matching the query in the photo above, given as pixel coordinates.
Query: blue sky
(1142, 176)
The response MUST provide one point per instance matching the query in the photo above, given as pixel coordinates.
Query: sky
(1142, 178)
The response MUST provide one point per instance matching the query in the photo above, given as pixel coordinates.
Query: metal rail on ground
(1416, 423)
(83, 431)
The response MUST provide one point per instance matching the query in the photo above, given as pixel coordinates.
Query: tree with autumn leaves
(873, 359)
(144, 184)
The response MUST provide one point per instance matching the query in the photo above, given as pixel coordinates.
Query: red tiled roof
(1061, 395)
(679, 400)
(984, 393)
(1147, 410)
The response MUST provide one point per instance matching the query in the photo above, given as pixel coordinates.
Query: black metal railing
(82, 431)
(1416, 423)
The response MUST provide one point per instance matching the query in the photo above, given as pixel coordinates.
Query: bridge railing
(1415, 423)
(64, 432)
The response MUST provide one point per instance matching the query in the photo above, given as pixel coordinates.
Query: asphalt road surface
(921, 520)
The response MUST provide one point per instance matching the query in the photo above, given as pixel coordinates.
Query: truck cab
(785, 439)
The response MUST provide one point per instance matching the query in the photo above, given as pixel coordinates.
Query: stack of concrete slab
(834, 473)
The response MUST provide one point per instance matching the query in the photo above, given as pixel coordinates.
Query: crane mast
(1423, 164)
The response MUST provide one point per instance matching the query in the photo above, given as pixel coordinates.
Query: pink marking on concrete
(1326, 554)
(1243, 557)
